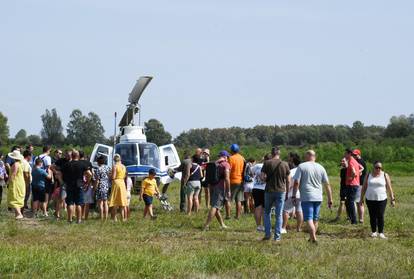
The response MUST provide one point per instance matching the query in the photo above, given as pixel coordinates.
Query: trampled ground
(174, 246)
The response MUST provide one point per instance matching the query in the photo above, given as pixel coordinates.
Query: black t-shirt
(343, 176)
(364, 172)
(61, 164)
(76, 170)
(198, 160)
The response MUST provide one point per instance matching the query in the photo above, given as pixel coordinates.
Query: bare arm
(13, 170)
(389, 189)
(227, 181)
(328, 189)
(295, 190)
(364, 189)
(288, 185)
(186, 174)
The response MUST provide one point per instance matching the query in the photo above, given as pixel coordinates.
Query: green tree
(52, 131)
(358, 131)
(21, 137)
(35, 140)
(84, 130)
(156, 133)
(4, 129)
(399, 127)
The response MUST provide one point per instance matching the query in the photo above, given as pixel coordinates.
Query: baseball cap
(356, 152)
(224, 153)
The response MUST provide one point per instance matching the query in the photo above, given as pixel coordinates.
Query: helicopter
(138, 155)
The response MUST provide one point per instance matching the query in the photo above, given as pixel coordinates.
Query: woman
(17, 185)
(118, 198)
(248, 186)
(258, 194)
(102, 178)
(375, 190)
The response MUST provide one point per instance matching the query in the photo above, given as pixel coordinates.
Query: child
(129, 188)
(39, 176)
(87, 194)
(149, 188)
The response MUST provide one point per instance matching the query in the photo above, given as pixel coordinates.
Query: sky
(214, 63)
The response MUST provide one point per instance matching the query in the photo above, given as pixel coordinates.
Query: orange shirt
(236, 162)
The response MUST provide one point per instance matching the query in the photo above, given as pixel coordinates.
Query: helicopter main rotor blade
(128, 116)
(138, 89)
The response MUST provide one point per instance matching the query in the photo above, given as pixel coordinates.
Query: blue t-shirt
(39, 177)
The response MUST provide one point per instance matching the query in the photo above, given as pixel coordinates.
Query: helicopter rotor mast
(133, 107)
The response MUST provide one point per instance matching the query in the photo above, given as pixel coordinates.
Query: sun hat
(16, 155)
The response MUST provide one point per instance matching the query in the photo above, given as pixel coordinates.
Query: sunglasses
(378, 168)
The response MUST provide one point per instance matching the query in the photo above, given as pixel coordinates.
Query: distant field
(174, 246)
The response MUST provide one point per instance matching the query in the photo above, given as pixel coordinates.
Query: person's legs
(299, 216)
(146, 211)
(113, 212)
(307, 208)
(210, 215)
(78, 209)
(381, 211)
(285, 220)
(316, 214)
(207, 196)
(86, 212)
(350, 203)
(190, 196)
(197, 200)
(100, 206)
(280, 201)
(239, 199)
(182, 198)
(372, 210)
(258, 215)
(359, 205)
(267, 213)
(105, 210)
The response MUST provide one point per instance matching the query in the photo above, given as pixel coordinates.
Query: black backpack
(212, 173)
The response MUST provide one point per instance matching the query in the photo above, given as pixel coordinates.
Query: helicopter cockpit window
(128, 154)
(149, 155)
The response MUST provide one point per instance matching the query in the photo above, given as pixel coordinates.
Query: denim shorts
(290, 207)
(147, 199)
(311, 210)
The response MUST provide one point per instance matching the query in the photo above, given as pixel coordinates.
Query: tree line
(300, 135)
(87, 129)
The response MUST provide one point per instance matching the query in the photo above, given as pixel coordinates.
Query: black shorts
(74, 195)
(258, 197)
(204, 184)
(342, 193)
(38, 194)
(49, 187)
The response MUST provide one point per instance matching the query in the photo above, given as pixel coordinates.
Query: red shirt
(352, 164)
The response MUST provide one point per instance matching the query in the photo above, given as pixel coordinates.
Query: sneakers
(382, 236)
(224, 227)
(283, 231)
(260, 229)
(374, 235)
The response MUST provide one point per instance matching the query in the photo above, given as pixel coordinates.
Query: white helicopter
(138, 155)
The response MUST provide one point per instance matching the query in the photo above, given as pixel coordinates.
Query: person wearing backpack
(47, 163)
(218, 176)
(376, 186)
(192, 185)
(276, 173)
(248, 184)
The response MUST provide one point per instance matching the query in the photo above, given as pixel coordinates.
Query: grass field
(174, 246)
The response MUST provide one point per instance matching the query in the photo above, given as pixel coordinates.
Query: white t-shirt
(292, 182)
(377, 188)
(258, 183)
(129, 184)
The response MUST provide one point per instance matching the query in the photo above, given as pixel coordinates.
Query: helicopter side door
(101, 150)
(169, 157)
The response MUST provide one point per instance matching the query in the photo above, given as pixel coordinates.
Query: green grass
(174, 246)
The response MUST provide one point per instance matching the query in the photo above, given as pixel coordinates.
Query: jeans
(376, 214)
(279, 199)
(351, 193)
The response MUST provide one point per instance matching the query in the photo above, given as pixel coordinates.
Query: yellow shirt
(149, 187)
(236, 162)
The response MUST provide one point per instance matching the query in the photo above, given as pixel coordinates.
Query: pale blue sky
(215, 63)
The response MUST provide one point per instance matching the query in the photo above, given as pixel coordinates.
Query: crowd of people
(291, 189)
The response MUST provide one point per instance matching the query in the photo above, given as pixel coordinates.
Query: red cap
(357, 152)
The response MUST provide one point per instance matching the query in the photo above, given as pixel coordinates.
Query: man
(74, 188)
(237, 164)
(206, 158)
(219, 191)
(363, 172)
(184, 168)
(47, 163)
(309, 179)
(60, 168)
(27, 173)
(352, 185)
(56, 156)
(276, 173)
